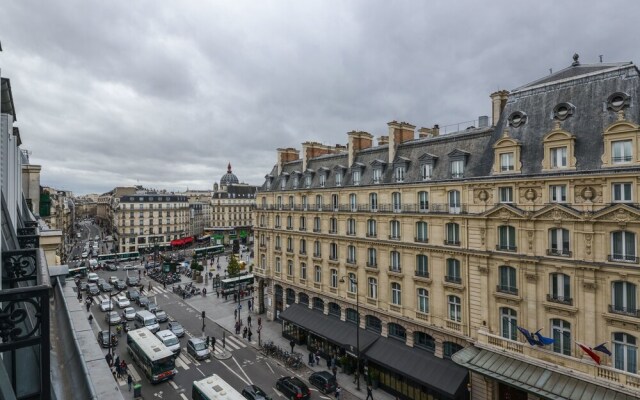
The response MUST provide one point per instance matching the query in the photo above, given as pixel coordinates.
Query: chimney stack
(424, 133)
(382, 140)
(312, 150)
(435, 131)
(483, 121)
(498, 101)
(358, 141)
(399, 132)
(286, 155)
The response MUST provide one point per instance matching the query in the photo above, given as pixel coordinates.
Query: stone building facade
(447, 244)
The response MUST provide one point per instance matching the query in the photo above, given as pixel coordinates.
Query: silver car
(129, 313)
(176, 328)
(112, 318)
(198, 349)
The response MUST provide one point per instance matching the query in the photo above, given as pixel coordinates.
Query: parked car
(143, 301)
(129, 313)
(176, 328)
(112, 318)
(130, 267)
(292, 387)
(198, 349)
(82, 286)
(161, 316)
(133, 294)
(113, 280)
(132, 281)
(106, 305)
(92, 289)
(105, 286)
(122, 301)
(252, 392)
(152, 307)
(170, 340)
(323, 380)
(105, 341)
(92, 277)
(120, 285)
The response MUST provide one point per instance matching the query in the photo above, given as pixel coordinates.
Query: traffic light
(202, 314)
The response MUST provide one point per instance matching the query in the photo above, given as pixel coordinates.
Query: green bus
(208, 251)
(214, 388)
(155, 359)
(130, 256)
(230, 285)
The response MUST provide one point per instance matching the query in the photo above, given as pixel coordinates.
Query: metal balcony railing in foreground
(24, 323)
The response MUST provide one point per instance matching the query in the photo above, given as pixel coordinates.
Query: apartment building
(438, 249)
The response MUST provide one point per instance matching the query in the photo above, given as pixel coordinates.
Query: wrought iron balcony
(507, 289)
(422, 274)
(453, 279)
(452, 242)
(623, 258)
(505, 247)
(630, 311)
(559, 252)
(24, 321)
(421, 239)
(554, 298)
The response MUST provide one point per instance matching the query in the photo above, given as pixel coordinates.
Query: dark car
(112, 267)
(161, 316)
(152, 307)
(103, 339)
(323, 380)
(92, 289)
(120, 285)
(133, 295)
(292, 387)
(132, 281)
(252, 392)
(82, 286)
(105, 286)
(143, 301)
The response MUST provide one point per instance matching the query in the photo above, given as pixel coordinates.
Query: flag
(590, 352)
(542, 340)
(528, 336)
(602, 349)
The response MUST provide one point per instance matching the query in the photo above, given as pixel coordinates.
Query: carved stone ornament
(532, 277)
(483, 195)
(483, 269)
(622, 217)
(587, 194)
(587, 242)
(504, 215)
(530, 239)
(483, 233)
(589, 285)
(530, 194)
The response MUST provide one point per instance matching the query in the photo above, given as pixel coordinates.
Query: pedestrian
(318, 358)
(204, 292)
(129, 381)
(88, 305)
(244, 333)
(184, 294)
(123, 367)
(249, 305)
(338, 392)
(117, 367)
(311, 359)
(208, 341)
(149, 286)
(249, 320)
(164, 285)
(259, 321)
(249, 334)
(218, 294)
(213, 343)
(90, 318)
(117, 362)
(235, 314)
(109, 359)
(334, 370)
(292, 343)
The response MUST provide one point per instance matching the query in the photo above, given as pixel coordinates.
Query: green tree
(233, 268)
(196, 266)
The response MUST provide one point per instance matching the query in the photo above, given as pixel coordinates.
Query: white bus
(155, 359)
(214, 388)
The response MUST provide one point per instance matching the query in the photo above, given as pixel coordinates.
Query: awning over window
(532, 378)
(337, 331)
(440, 374)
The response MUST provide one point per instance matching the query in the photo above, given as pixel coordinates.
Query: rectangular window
(559, 157)
(558, 193)
(355, 175)
(426, 171)
(621, 192)
(506, 162)
(323, 180)
(396, 200)
(338, 178)
(394, 258)
(621, 152)
(303, 271)
(372, 257)
(377, 175)
(307, 181)
(335, 202)
(399, 174)
(506, 194)
(457, 169)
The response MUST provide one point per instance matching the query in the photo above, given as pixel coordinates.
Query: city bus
(130, 256)
(208, 251)
(81, 271)
(155, 359)
(230, 285)
(214, 388)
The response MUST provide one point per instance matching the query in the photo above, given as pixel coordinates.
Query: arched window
(353, 202)
(423, 201)
(334, 278)
(561, 332)
(373, 324)
(450, 348)
(623, 246)
(351, 226)
(453, 271)
(372, 228)
(623, 298)
(318, 304)
(509, 323)
(291, 296)
(423, 300)
(422, 265)
(506, 238)
(351, 315)
(373, 202)
(559, 242)
(303, 224)
(303, 271)
(396, 331)
(394, 261)
(303, 298)
(317, 249)
(396, 293)
(625, 352)
(319, 202)
(396, 201)
(455, 308)
(303, 246)
(394, 229)
(334, 309)
(421, 232)
(424, 341)
(372, 291)
(560, 288)
(278, 224)
(352, 283)
(317, 273)
(372, 257)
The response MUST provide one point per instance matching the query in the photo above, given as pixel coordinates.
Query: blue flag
(602, 349)
(527, 336)
(543, 341)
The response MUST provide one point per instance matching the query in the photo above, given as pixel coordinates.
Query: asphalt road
(245, 366)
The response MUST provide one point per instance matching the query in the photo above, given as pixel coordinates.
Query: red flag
(590, 352)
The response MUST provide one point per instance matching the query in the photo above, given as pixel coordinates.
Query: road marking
(268, 365)
(241, 369)
(235, 373)
(173, 384)
(201, 372)
(134, 373)
(183, 396)
(181, 364)
(237, 341)
(184, 358)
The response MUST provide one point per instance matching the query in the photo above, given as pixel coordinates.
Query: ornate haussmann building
(446, 244)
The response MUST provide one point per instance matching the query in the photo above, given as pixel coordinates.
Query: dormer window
(356, 173)
(558, 157)
(355, 177)
(427, 162)
(457, 169)
(283, 183)
(339, 174)
(400, 166)
(377, 175)
(338, 178)
(323, 180)
(563, 111)
(618, 101)
(398, 173)
(506, 162)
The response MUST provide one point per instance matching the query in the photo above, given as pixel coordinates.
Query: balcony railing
(372, 264)
(422, 274)
(505, 247)
(421, 240)
(24, 321)
(554, 298)
(452, 242)
(630, 311)
(453, 279)
(507, 289)
(623, 258)
(411, 208)
(559, 252)
(397, 270)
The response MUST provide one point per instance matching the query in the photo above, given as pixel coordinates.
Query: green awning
(532, 378)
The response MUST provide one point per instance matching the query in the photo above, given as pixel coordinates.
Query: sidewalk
(221, 312)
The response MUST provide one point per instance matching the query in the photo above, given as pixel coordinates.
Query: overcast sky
(166, 93)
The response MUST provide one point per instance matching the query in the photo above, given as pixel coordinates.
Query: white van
(170, 340)
(145, 319)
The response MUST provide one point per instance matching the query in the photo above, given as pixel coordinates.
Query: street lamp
(353, 281)
(109, 323)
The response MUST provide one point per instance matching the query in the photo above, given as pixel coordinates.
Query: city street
(245, 365)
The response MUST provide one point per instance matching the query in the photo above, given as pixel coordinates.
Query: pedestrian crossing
(155, 290)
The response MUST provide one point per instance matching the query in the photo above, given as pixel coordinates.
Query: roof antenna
(550, 71)
(600, 57)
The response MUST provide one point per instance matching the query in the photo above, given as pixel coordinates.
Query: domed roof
(229, 178)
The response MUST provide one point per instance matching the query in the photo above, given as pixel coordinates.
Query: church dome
(229, 178)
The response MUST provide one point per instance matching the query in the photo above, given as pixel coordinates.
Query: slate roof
(586, 87)
(236, 192)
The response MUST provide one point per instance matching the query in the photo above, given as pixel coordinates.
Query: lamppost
(355, 282)
(109, 323)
